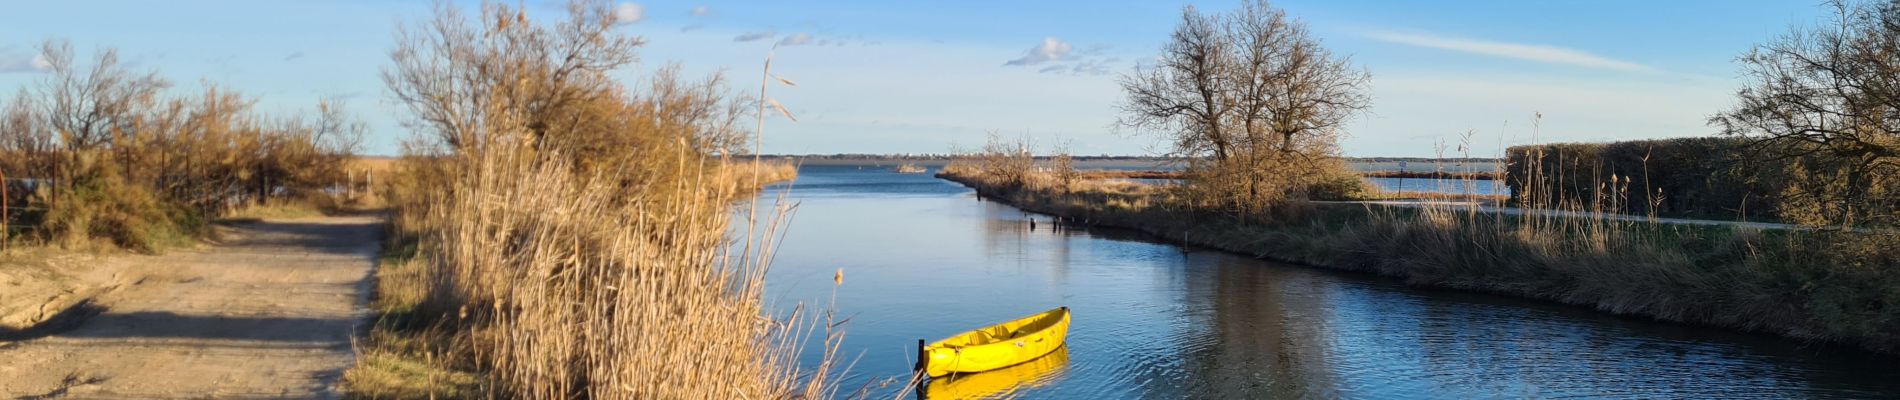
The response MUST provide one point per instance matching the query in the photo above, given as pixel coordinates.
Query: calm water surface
(924, 258)
(1452, 186)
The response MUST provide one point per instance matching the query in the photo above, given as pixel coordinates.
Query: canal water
(925, 259)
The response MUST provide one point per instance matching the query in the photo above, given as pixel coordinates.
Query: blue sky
(921, 77)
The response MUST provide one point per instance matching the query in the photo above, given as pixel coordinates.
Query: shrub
(111, 157)
(1709, 177)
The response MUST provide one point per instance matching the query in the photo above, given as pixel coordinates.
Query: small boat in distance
(996, 346)
(911, 168)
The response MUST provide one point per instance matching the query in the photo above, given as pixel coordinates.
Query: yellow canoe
(1001, 383)
(997, 346)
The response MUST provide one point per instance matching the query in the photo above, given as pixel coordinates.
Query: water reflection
(925, 260)
(1008, 382)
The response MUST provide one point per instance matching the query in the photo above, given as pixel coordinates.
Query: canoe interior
(1005, 331)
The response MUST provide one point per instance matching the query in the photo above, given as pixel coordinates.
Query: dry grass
(525, 279)
(557, 285)
(748, 175)
(550, 261)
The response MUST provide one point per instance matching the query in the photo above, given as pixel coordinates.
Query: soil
(268, 313)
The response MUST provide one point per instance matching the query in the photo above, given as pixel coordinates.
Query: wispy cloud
(1520, 51)
(1059, 57)
(13, 60)
(628, 13)
(796, 39)
(293, 56)
(755, 36)
(1051, 49)
(1090, 67)
(693, 27)
(699, 11)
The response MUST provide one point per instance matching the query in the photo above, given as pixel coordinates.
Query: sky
(932, 77)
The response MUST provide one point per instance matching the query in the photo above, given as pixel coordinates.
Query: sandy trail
(269, 313)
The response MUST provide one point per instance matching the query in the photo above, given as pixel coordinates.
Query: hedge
(1705, 177)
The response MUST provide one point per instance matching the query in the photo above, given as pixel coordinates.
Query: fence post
(5, 213)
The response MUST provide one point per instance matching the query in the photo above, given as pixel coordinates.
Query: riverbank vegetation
(559, 235)
(1811, 284)
(1821, 283)
(95, 152)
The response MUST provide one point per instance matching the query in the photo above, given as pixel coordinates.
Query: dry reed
(558, 259)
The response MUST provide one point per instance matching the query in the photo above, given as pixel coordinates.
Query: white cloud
(628, 13)
(796, 39)
(1063, 58)
(699, 11)
(1527, 52)
(12, 60)
(755, 36)
(1051, 49)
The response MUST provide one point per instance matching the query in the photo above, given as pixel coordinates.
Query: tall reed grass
(556, 259)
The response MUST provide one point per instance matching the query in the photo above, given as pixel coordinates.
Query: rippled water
(924, 258)
(1453, 186)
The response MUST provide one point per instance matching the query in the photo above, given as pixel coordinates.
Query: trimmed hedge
(1704, 177)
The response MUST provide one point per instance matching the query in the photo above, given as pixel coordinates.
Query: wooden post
(923, 358)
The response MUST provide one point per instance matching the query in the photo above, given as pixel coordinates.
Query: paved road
(267, 314)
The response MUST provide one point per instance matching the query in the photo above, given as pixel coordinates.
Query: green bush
(99, 204)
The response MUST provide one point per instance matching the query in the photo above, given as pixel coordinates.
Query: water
(1395, 185)
(1450, 186)
(923, 258)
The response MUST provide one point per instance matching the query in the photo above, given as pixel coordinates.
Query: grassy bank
(550, 305)
(576, 251)
(1815, 285)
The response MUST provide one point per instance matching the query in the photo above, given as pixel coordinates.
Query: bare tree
(89, 107)
(705, 106)
(1287, 87)
(1182, 93)
(1828, 97)
(1250, 99)
(551, 87)
(453, 74)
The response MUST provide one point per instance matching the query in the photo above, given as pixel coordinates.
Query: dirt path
(267, 314)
